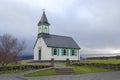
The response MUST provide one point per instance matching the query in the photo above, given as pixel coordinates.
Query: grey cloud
(94, 24)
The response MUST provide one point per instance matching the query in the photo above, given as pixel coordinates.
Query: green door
(39, 55)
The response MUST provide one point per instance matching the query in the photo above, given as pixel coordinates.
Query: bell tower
(43, 25)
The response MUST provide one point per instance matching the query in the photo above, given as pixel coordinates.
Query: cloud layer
(94, 24)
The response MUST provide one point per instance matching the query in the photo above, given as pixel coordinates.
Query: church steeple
(43, 25)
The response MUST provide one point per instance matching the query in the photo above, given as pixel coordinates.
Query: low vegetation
(105, 61)
(11, 71)
(18, 63)
(10, 48)
(41, 73)
(110, 57)
(77, 69)
(21, 66)
(24, 62)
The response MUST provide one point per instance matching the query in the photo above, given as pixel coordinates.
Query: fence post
(67, 62)
(52, 62)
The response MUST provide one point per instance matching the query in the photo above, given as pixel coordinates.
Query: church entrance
(39, 55)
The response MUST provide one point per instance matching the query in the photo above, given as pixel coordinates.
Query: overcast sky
(94, 24)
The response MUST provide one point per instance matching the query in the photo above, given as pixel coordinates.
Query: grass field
(24, 62)
(41, 73)
(86, 69)
(21, 62)
(107, 61)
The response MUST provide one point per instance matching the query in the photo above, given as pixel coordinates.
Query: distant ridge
(25, 57)
(99, 55)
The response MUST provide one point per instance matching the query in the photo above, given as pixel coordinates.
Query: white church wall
(36, 51)
(46, 52)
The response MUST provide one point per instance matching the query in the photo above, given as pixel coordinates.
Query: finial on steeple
(43, 10)
(43, 20)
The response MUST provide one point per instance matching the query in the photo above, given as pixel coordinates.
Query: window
(64, 51)
(45, 29)
(55, 51)
(73, 52)
(39, 30)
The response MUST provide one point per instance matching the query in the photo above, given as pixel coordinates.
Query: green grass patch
(106, 61)
(41, 73)
(62, 63)
(19, 63)
(86, 69)
(11, 71)
(24, 62)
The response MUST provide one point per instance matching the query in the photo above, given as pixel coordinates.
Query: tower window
(45, 29)
(40, 30)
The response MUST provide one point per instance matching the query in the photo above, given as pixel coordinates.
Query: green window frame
(55, 51)
(70, 52)
(64, 51)
(76, 52)
(73, 52)
(52, 51)
(58, 50)
(67, 50)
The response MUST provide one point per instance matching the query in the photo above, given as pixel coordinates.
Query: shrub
(23, 67)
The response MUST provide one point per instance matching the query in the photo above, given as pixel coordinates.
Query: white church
(48, 46)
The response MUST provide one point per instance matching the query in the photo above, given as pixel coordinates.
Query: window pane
(55, 51)
(64, 52)
(73, 52)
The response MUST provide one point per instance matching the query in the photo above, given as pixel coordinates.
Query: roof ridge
(60, 35)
